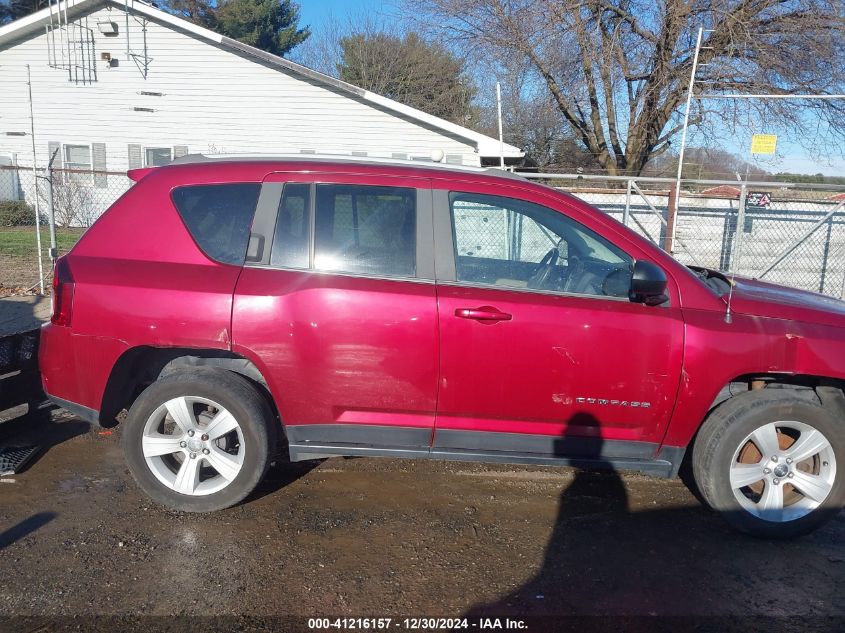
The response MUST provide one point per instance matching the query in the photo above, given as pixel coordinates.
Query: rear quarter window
(219, 217)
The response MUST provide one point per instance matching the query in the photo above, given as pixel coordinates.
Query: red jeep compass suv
(386, 309)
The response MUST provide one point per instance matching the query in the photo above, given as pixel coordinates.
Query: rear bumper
(56, 361)
(80, 411)
(60, 374)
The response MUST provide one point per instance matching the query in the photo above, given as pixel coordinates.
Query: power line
(769, 96)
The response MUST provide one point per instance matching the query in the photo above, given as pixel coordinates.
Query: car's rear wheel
(772, 462)
(199, 441)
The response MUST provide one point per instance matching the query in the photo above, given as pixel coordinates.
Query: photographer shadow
(594, 497)
(612, 552)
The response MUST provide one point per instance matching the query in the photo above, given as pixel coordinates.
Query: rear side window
(290, 239)
(219, 217)
(365, 229)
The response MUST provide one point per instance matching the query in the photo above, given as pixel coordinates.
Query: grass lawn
(19, 255)
(19, 241)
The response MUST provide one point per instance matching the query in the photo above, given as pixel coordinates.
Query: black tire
(231, 391)
(726, 428)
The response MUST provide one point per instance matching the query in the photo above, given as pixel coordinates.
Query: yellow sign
(764, 143)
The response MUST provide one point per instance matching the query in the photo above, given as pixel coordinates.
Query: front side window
(219, 217)
(78, 159)
(157, 156)
(513, 243)
(365, 229)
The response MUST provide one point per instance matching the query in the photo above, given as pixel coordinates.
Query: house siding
(214, 100)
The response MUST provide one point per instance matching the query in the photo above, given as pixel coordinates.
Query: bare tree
(323, 52)
(618, 70)
(72, 201)
(531, 119)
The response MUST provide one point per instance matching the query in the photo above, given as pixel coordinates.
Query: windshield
(714, 280)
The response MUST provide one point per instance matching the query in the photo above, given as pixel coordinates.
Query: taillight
(62, 293)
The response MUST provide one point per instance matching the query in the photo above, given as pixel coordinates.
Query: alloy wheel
(193, 445)
(782, 471)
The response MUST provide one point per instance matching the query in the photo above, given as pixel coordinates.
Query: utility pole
(35, 183)
(677, 195)
(501, 137)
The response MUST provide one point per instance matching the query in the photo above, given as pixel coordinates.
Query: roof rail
(341, 158)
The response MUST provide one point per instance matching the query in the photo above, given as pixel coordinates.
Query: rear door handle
(484, 313)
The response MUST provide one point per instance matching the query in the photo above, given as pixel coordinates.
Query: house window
(157, 156)
(78, 158)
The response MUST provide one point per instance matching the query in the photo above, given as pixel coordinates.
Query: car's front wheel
(199, 441)
(772, 462)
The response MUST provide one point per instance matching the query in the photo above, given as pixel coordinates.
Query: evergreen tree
(14, 9)
(271, 25)
(410, 70)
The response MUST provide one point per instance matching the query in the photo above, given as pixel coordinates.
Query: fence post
(740, 224)
(842, 292)
(626, 214)
(671, 212)
(54, 251)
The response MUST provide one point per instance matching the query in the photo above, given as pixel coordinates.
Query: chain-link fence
(781, 232)
(74, 198)
(785, 233)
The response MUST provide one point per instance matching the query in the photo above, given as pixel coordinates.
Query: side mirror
(648, 284)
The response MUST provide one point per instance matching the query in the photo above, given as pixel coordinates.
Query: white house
(118, 85)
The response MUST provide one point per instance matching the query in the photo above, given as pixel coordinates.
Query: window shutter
(55, 146)
(136, 158)
(98, 164)
(180, 150)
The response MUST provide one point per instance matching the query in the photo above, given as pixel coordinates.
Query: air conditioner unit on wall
(107, 28)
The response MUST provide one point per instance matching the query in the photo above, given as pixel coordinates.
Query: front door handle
(484, 313)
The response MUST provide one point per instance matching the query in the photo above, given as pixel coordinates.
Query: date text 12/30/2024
(413, 624)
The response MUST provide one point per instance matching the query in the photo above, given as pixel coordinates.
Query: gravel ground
(389, 538)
